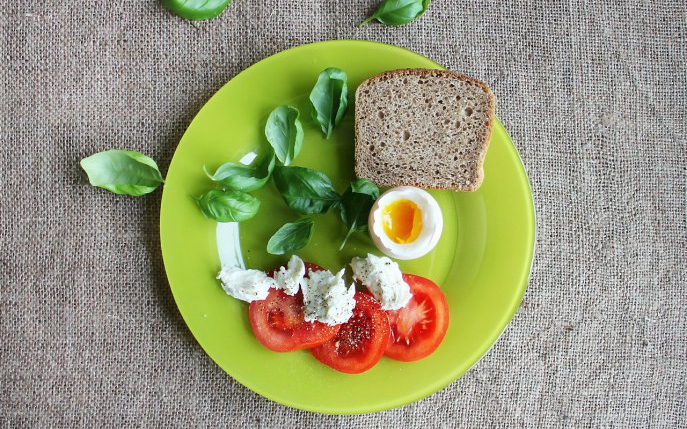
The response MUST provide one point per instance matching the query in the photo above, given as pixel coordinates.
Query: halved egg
(405, 222)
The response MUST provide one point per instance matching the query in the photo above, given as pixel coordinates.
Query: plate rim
(428, 390)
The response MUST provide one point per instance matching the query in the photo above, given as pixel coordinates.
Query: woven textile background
(593, 94)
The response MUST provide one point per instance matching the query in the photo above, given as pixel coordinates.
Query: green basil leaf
(355, 206)
(304, 190)
(398, 12)
(290, 237)
(122, 172)
(364, 186)
(329, 99)
(284, 132)
(196, 9)
(228, 206)
(239, 177)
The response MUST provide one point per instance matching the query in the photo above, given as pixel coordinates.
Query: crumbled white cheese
(383, 278)
(289, 277)
(246, 285)
(326, 297)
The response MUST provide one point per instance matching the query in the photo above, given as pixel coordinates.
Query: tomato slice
(361, 342)
(418, 328)
(279, 324)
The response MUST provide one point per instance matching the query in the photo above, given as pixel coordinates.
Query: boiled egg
(405, 222)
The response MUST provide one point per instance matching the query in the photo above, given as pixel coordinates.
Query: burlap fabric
(592, 93)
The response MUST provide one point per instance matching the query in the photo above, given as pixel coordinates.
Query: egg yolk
(402, 221)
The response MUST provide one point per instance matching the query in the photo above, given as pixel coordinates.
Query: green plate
(482, 261)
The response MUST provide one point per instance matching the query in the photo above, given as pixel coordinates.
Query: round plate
(482, 261)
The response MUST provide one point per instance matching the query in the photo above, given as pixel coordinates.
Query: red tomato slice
(418, 328)
(279, 324)
(361, 342)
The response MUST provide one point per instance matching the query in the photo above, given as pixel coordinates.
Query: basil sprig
(398, 12)
(228, 206)
(122, 172)
(196, 9)
(291, 237)
(284, 132)
(304, 190)
(239, 177)
(355, 206)
(329, 99)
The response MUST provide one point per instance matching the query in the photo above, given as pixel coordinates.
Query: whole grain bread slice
(425, 128)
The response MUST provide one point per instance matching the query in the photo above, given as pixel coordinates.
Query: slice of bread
(424, 128)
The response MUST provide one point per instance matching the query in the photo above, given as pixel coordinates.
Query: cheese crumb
(383, 278)
(246, 285)
(326, 297)
(289, 277)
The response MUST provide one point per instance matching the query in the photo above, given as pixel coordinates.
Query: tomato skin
(361, 342)
(279, 324)
(418, 328)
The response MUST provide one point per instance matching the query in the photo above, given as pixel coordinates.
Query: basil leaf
(355, 206)
(196, 9)
(290, 237)
(239, 177)
(364, 186)
(329, 99)
(122, 172)
(228, 206)
(284, 132)
(398, 12)
(304, 190)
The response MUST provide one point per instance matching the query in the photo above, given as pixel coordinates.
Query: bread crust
(483, 145)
